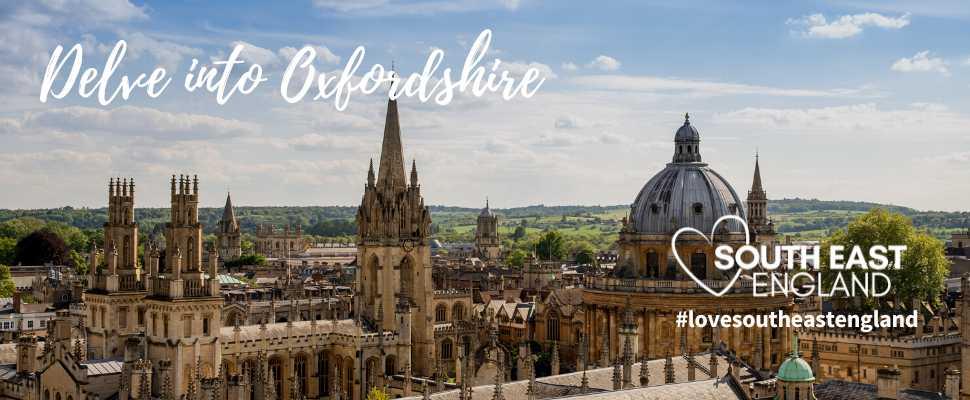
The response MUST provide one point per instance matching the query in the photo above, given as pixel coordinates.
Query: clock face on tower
(407, 245)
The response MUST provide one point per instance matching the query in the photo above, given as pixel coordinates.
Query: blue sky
(848, 100)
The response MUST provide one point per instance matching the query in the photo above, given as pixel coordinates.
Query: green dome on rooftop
(794, 369)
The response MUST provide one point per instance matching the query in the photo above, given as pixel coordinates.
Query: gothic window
(446, 349)
(458, 312)
(440, 313)
(299, 365)
(276, 367)
(552, 326)
(407, 280)
(323, 374)
(698, 265)
(141, 316)
(205, 326)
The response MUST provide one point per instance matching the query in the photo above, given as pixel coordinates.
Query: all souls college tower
(394, 252)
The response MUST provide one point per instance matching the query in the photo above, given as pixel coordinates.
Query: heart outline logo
(737, 274)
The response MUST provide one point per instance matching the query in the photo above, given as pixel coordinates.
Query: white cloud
(168, 54)
(378, 8)
(257, 55)
(569, 66)
(133, 121)
(604, 63)
(817, 26)
(79, 13)
(677, 86)
(855, 119)
(323, 53)
(519, 68)
(317, 142)
(921, 62)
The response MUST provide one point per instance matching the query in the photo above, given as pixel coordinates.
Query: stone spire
(228, 214)
(270, 387)
(497, 391)
(691, 366)
(192, 393)
(617, 385)
(370, 173)
(554, 363)
(414, 173)
(627, 363)
(668, 369)
(628, 331)
(531, 389)
(584, 353)
(166, 387)
(644, 372)
(391, 168)
(712, 364)
(756, 183)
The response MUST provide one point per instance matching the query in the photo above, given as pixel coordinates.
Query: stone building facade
(649, 281)
(274, 242)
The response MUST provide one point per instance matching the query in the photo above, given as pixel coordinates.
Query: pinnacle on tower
(370, 173)
(414, 173)
(756, 183)
(391, 168)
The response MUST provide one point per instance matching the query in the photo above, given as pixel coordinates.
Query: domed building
(795, 377)
(686, 193)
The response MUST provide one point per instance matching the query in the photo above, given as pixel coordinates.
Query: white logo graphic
(737, 273)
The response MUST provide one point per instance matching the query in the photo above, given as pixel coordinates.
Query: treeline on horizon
(338, 221)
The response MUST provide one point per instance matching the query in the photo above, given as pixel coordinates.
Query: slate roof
(842, 390)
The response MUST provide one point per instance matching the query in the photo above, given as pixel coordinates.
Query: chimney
(887, 383)
(16, 302)
(26, 354)
(952, 385)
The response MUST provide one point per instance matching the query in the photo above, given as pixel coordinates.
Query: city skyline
(860, 102)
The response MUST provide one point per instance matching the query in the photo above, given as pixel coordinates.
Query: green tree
(7, 287)
(41, 247)
(7, 246)
(79, 262)
(516, 258)
(551, 246)
(924, 264)
(519, 233)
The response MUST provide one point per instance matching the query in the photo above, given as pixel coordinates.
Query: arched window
(441, 313)
(299, 365)
(323, 374)
(446, 352)
(552, 326)
(798, 394)
(277, 369)
(458, 312)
